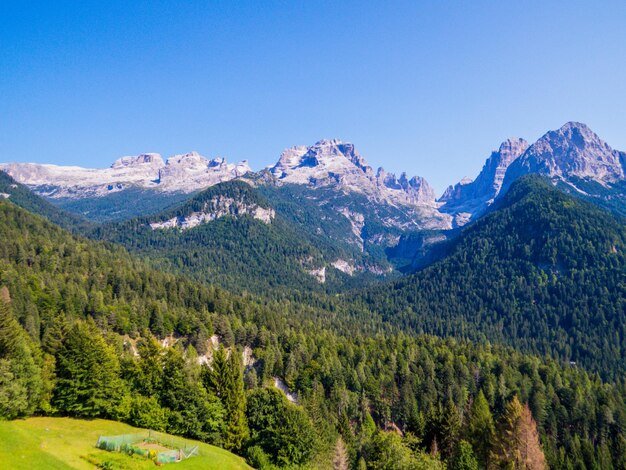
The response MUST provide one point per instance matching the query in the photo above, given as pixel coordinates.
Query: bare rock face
(216, 208)
(152, 159)
(191, 171)
(472, 197)
(574, 150)
(568, 154)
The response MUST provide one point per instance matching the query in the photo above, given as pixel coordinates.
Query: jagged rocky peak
(324, 157)
(153, 159)
(469, 198)
(489, 181)
(416, 187)
(190, 159)
(574, 150)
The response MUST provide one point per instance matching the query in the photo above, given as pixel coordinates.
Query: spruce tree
(464, 458)
(506, 449)
(450, 429)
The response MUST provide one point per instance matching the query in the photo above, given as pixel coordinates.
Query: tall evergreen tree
(480, 429)
(88, 382)
(506, 448)
(464, 459)
(224, 378)
(450, 430)
(235, 404)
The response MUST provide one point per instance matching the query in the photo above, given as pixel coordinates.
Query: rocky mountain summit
(573, 151)
(569, 156)
(338, 164)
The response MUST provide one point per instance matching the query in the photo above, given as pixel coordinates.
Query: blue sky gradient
(424, 87)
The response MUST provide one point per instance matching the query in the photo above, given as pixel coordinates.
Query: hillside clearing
(62, 443)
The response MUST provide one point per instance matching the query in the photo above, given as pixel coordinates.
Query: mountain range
(320, 212)
(572, 155)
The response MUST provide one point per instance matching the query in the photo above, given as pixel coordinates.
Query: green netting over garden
(156, 446)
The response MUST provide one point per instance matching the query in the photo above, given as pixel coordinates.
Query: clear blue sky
(428, 87)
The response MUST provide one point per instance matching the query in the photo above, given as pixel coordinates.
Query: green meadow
(66, 443)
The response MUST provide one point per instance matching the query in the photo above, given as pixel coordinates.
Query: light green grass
(65, 443)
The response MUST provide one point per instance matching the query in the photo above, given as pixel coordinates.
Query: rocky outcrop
(570, 154)
(217, 207)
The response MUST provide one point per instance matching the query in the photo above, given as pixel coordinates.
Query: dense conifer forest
(544, 272)
(88, 330)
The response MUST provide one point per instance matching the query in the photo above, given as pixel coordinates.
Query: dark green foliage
(225, 379)
(353, 373)
(239, 252)
(281, 429)
(88, 383)
(21, 383)
(193, 411)
(611, 196)
(544, 272)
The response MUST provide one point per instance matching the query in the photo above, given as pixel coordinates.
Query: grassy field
(62, 443)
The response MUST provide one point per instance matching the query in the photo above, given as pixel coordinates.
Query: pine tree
(464, 458)
(480, 430)
(224, 378)
(506, 449)
(217, 377)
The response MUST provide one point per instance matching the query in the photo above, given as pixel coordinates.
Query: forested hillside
(544, 272)
(79, 321)
(232, 248)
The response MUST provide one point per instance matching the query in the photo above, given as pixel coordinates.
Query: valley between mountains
(318, 313)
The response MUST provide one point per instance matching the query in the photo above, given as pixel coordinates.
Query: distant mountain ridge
(185, 173)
